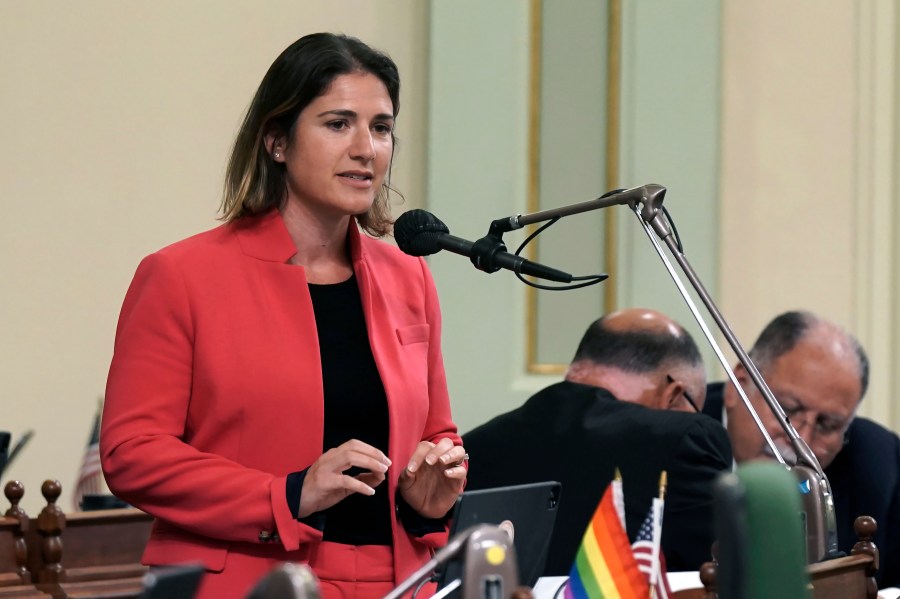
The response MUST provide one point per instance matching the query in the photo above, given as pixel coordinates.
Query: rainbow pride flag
(605, 566)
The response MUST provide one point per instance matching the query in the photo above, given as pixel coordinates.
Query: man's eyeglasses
(686, 395)
(824, 425)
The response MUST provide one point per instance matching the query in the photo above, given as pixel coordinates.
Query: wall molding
(877, 219)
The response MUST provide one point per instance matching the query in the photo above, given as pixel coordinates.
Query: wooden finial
(708, 574)
(865, 528)
(14, 491)
(50, 524)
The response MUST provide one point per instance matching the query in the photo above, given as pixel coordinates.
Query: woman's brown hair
(254, 182)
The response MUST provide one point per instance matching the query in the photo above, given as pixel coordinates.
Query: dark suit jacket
(578, 435)
(865, 480)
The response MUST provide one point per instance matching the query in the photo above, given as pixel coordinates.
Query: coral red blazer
(215, 390)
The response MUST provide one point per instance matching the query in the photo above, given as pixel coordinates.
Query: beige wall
(116, 121)
(789, 123)
(809, 173)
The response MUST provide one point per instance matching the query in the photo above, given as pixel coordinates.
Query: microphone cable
(588, 279)
(421, 584)
(674, 230)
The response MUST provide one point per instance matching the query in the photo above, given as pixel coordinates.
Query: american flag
(648, 553)
(90, 476)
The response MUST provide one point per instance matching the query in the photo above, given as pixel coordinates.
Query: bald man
(629, 401)
(819, 373)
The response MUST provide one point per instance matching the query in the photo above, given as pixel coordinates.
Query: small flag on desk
(649, 555)
(90, 476)
(604, 566)
(646, 546)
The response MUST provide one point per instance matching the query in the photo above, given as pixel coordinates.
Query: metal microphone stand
(490, 569)
(646, 202)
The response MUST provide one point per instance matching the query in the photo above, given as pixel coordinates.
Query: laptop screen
(530, 508)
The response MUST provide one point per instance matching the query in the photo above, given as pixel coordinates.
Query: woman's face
(341, 148)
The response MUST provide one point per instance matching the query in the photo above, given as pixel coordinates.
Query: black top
(355, 408)
(577, 435)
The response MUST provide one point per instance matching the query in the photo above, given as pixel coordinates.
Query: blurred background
(774, 127)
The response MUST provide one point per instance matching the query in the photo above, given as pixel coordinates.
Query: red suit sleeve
(146, 453)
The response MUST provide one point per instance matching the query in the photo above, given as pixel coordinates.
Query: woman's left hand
(434, 477)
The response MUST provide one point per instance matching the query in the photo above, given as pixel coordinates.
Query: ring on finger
(462, 460)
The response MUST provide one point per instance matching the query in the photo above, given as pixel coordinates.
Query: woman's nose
(363, 145)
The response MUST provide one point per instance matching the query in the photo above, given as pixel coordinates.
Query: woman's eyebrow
(352, 114)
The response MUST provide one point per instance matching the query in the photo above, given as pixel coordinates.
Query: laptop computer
(532, 510)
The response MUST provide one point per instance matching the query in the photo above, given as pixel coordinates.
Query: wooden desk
(850, 577)
(842, 578)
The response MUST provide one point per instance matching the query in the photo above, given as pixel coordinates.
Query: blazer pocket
(417, 333)
(170, 546)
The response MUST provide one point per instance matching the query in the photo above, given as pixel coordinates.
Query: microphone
(490, 569)
(287, 580)
(420, 233)
(25, 438)
(761, 539)
(4, 449)
(7, 455)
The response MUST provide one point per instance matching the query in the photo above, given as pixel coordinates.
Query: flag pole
(618, 496)
(657, 532)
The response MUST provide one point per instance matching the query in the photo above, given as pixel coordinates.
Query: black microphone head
(417, 233)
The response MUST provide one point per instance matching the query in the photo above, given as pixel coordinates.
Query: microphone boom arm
(698, 286)
(646, 202)
(646, 194)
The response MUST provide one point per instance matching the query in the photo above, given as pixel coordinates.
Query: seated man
(819, 373)
(628, 402)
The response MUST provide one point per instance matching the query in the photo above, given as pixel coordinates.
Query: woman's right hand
(326, 483)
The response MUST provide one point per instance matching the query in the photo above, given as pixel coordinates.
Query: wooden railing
(81, 555)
